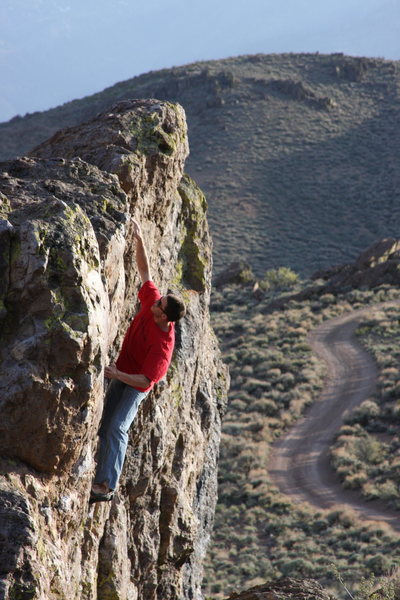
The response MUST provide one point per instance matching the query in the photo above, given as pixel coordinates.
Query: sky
(54, 51)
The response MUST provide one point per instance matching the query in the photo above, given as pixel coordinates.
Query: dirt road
(299, 462)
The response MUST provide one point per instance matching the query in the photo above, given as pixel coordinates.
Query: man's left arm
(134, 380)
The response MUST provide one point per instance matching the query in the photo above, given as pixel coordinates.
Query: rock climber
(143, 360)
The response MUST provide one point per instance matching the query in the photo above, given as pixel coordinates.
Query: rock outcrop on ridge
(285, 589)
(379, 264)
(67, 294)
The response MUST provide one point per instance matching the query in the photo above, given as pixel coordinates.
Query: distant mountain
(298, 154)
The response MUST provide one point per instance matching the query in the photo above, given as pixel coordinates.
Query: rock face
(67, 294)
(285, 589)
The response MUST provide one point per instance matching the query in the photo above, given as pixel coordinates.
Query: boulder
(237, 272)
(67, 294)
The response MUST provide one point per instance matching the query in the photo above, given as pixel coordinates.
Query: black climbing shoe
(98, 497)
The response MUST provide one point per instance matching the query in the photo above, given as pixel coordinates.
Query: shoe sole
(101, 498)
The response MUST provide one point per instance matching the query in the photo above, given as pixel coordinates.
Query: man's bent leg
(114, 434)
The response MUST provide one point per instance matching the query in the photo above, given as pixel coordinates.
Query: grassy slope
(297, 154)
(260, 534)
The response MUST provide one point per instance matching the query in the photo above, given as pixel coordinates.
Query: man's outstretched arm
(141, 255)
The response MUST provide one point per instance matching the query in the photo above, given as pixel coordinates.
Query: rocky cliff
(67, 293)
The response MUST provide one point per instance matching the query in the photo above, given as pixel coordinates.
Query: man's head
(175, 308)
(169, 308)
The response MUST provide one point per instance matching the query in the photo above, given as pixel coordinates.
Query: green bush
(298, 567)
(265, 406)
(363, 414)
(369, 450)
(280, 278)
(379, 564)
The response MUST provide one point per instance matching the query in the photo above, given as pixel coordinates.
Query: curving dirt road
(299, 463)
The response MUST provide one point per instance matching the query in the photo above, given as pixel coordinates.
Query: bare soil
(299, 462)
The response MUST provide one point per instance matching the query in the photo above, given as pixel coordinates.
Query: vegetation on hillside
(367, 452)
(260, 534)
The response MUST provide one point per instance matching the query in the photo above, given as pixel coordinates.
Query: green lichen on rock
(77, 224)
(194, 256)
(8, 308)
(106, 586)
(182, 128)
(5, 206)
(151, 137)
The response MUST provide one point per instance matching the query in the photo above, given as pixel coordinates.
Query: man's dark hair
(175, 308)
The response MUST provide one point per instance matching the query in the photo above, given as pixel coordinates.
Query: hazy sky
(53, 51)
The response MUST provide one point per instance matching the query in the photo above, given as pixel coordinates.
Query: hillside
(297, 154)
(260, 533)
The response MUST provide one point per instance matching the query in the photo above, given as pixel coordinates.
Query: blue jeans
(122, 403)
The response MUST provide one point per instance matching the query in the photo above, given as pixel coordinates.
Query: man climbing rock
(143, 360)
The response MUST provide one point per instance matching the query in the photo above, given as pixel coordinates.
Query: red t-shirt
(147, 349)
